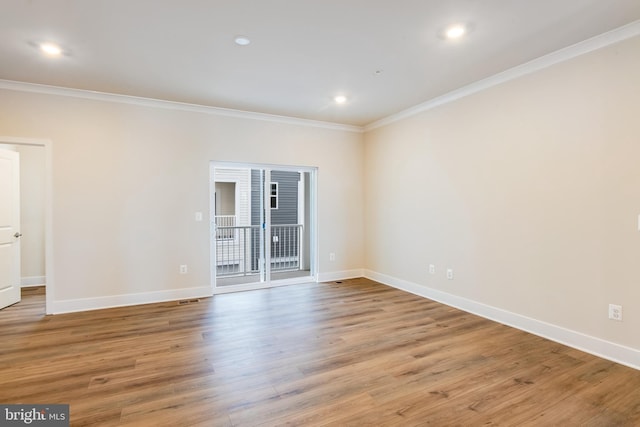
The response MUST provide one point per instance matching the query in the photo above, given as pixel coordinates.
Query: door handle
(17, 235)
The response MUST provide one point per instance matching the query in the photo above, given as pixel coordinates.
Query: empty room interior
(265, 213)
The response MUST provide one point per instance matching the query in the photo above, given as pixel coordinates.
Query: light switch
(198, 216)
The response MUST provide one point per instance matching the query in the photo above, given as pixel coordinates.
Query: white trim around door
(263, 274)
(48, 210)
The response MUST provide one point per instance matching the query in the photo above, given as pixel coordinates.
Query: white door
(9, 228)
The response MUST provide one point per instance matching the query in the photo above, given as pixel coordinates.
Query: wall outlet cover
(615, 312)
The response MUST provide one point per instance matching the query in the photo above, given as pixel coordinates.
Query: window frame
(273, 196)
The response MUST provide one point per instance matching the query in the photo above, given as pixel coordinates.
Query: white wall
(529, 191)
(127, 180)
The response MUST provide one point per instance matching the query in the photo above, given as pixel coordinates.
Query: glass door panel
(237, 221)
(289, 224)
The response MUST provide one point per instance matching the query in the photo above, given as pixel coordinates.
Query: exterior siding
(255, 196)
(287, 212)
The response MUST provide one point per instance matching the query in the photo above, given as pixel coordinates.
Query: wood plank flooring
(355, 353)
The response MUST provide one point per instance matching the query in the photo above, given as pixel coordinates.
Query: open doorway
(34, 242)
(263, 226)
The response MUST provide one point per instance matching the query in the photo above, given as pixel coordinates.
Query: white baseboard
(85, 304)
(262, 285)
(32, 281)
(332, 276)
(598, 347)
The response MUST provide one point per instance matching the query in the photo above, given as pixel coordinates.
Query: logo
(34, 415)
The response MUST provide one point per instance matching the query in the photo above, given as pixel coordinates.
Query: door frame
(313, 219)
(48, 210)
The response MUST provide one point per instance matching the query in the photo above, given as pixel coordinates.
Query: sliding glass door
(263, 225)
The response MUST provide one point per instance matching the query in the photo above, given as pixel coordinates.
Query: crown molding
(170, 105)
(598, 42)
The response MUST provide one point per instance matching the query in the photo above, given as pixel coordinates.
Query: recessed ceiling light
(455, 31)
(242, 40)
(340, 99)
(51, 49)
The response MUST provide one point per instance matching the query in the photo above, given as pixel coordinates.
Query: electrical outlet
(615, 312)
(332, 256)
(449, 274)
(183, 269)
(432, 269)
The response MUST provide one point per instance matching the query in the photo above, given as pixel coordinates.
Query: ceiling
(384, 56)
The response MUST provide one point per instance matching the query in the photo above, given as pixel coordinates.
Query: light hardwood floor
(355, 353)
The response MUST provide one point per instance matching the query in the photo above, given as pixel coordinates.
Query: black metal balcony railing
(238, 251)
